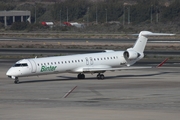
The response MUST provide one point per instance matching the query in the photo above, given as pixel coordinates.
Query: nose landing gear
(16, 80)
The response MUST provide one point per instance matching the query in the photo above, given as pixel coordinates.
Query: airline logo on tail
(47, 69)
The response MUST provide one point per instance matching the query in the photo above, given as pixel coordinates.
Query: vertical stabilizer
(140, 44)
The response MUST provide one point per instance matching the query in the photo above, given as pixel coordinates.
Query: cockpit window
(17, 65)
(24, 64)
(20, 65)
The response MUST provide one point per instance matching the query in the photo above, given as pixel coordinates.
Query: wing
(112, 69)
(108, 68)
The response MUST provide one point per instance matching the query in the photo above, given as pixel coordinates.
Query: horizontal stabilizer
(148, 33)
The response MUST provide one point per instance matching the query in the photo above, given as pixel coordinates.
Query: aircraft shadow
(49, 80)
(67, 78)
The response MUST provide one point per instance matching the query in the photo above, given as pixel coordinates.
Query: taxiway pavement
(151, 94)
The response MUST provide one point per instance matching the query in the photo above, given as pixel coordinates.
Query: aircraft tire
(81, 76)
(98, 76)
(16, 81)
(101, 76)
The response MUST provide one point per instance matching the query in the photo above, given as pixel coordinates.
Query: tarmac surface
(148, 94)
(151, 94)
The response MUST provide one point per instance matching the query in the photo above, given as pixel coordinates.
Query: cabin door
(33, 66)
(89, 61)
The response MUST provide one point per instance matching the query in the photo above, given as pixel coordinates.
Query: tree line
(115, 10)
(100, 11)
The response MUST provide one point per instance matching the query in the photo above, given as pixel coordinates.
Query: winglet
(161, 64)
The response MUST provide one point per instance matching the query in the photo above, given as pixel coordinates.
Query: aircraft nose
(9, 72)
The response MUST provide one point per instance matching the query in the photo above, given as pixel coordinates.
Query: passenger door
(89, 61)
(33, 66)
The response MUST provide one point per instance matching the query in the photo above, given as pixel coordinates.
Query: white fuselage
(72, 64)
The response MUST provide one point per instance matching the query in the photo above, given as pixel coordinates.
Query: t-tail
(137, 51)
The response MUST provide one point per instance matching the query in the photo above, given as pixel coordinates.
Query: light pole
(35, 13)
(87, 16)
(123, 15)
(60, 18)
(151, 14)
(157, 14)
(106, 15)
(67, 14)
(129, 15)
(96, 15)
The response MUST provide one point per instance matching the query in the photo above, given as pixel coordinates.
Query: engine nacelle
(131, 55)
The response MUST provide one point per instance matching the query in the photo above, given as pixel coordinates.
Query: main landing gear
(80, 76)
(100, 76)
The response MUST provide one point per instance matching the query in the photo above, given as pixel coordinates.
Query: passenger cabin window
(21, 65)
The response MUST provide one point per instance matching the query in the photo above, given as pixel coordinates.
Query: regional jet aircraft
(109, 60)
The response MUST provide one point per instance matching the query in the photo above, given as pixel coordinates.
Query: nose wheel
(100, 76)
(16, 81)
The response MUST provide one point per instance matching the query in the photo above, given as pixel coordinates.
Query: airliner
(98, 63)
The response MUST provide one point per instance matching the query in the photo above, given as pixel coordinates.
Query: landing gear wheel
(16, 81)
(100, 76)
(81, 76)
